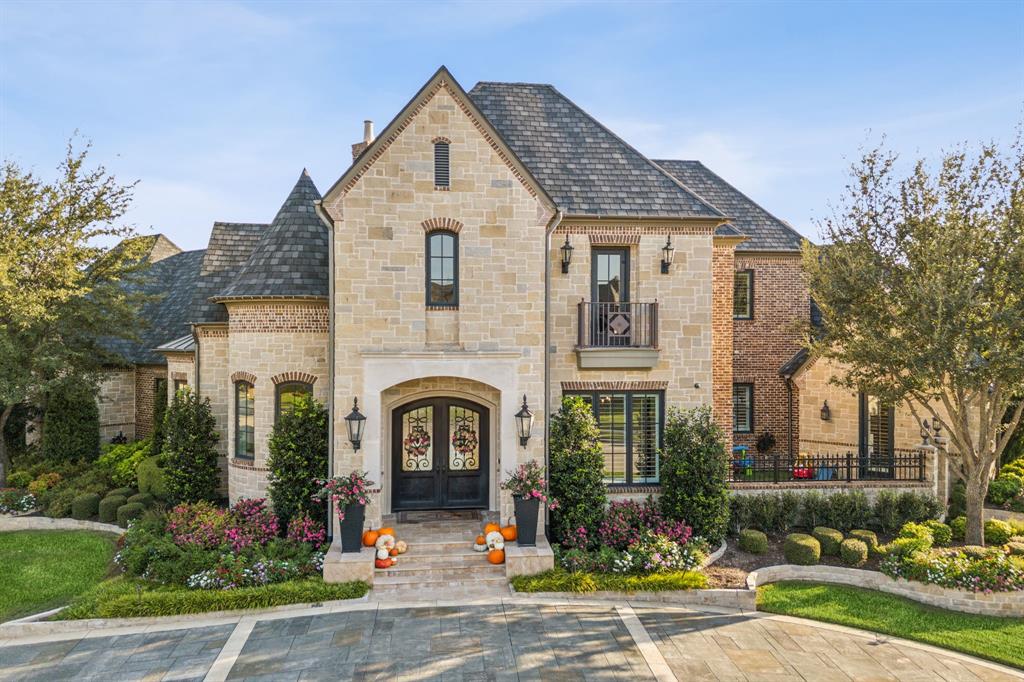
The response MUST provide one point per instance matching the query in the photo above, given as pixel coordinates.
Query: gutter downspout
(789, 391)
(195, 339)
(556, 220)
(318, 207)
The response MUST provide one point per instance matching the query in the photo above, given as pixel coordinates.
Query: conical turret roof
(290, 259)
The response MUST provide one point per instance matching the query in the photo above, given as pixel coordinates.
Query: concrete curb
(15, 523)
(716, 555)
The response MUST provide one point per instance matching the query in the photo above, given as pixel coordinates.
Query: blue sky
(216, 107)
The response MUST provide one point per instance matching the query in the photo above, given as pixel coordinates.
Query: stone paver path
(511, 639)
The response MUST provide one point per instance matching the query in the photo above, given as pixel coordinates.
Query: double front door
(440, 454)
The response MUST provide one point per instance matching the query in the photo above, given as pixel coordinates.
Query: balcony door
(611, 317)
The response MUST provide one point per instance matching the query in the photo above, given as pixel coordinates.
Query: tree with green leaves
(921, 286)
(298, 457)
(72, 423)
(576, 472)
(61, 289)
(190, 449)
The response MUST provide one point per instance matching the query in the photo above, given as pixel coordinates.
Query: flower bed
(15, 501)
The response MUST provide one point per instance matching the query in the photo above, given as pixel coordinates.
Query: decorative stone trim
(243, 376)
(440, 138)
(614, 385)
(437, 308)
(993, 604)
(605, 238)
(435, 224)
(821, 485)
(302, 377)
(731, 599)
(179, 376)
(218, 332)
(246, 464)
(9, 523)
(648, 488)
(442, 188)
(620, 231)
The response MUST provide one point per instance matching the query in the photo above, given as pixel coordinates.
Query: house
(476, 231)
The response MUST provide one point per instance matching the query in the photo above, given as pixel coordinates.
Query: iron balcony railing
(617, 325)
(751, 467)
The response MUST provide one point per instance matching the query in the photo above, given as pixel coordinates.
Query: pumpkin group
(496, 556)
(384, 563)
(491, 528)
(509, 533)
(481, 544)
(387, 531)
(370, 538)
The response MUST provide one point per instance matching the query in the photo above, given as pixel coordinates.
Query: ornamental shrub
(1015, 548)
(974, 569)
(801, 549)
(829, 538)
(85, 506)
(848, 510)
(57, 502)
(298, 459)
(156, 441)
(44, 482)
(71, 423)
(997, 532)
(918, 507)
(626, 520)
(739, 513)
(694, 473)
(814, 510)
(959, 527)
(942, 535)
(886, 512)
(774, 512)
(957, 501)
(303, 528)
(868, 537)
(1003, 489)
(121, 462)
(916, 530)
(145, 500)
(129, 512)
(19, 479)
(853, 552)
(753, 541)
(108, 507)
(190, 449)
(152, 480)
(576, 470)
(125, 491)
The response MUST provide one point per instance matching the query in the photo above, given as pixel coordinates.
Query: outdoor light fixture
(566, 255)
(524, 421)
(354, 422)
(668, 252)
(826, 413)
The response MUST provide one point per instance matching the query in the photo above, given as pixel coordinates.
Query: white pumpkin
(495, 540)
(385, 542)
(382, 553)
(480, 548)
(402, 547)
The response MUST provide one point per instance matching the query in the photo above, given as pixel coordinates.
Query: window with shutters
(441, 174)
(876, 426)
(743, 408)
(631, 434)
(442, 269)
(743, 295)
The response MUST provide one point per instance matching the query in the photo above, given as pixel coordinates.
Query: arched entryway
(440, 454)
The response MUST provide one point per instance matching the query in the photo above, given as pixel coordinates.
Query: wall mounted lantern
(826, 412)
(566, 255)
(354, 422)
(668, 252)
(524, 423)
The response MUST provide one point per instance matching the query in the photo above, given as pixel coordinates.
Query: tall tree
(61, 289)
(921, 283)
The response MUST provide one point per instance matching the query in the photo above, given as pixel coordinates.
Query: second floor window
(442, 269)
(743, 295)
(441, 175)
(245, 420)
(287, 394)
(743, 408)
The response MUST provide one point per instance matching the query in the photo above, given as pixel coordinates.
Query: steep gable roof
(229, 248)
(765, 232)
(586, 168)
(290, 260)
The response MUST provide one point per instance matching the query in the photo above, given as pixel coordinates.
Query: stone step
(404, 594)
(443, 560)
(466, 574)
(412, 580)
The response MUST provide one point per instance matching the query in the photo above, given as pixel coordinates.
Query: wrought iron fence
(617, 325)
(752, 467)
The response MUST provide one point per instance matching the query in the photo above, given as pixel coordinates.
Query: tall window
(631, 434)
(441, 176)
(286, 395)
(743, 295)
(245, 419)
(179, 384)
(743, 408)
(876, 426)
(442, 269)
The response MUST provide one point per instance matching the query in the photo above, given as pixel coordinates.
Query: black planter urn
(352, 528)
(526, 520)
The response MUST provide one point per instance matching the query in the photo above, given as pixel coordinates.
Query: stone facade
(146, 387)
(116, 402)
(214, 383)
(180, 367)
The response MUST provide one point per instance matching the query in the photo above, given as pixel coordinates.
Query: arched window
(441, 175)
(443, 269)
(245, 420)
(287, 392)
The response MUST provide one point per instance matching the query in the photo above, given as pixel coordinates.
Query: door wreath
(416, 445)
(465, 442)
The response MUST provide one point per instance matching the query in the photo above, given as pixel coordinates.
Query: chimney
(358, 147)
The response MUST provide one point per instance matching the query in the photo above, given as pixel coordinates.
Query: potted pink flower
(527, 486)
(349, 495)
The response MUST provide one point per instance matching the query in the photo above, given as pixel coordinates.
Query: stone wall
(116, 402)
(214, 383)
(180, 367)
(145, 394)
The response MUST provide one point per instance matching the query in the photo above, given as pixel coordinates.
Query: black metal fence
(752, 467)
(617, 325)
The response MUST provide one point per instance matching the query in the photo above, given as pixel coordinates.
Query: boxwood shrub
(829, 539)
(85, 506)
(128, 512)
(108, 507)
(942, 535)
(959, 527)
(801, 549)
(124, 492)
(997, 532)
(868, 537)
(152, 480)
(145, 500)
(853, 552)
(753, 541)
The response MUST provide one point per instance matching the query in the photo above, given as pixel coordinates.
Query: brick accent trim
(614, 385)
(284, 377)
(613, 239)
(218, 332)
(649, 489)
(448, 224)
(440, 138)
(237, 463)
(621, 230)
(179, 376)
(243, 376)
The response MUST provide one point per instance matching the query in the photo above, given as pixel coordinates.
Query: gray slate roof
(583, 166)
(229, 248)
(291, 258)
(765, 231)
(171, 281)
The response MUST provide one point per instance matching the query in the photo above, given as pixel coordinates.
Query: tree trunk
(976, 486)
(5, 457)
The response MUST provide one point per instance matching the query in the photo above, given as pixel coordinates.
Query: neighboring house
(421, 282)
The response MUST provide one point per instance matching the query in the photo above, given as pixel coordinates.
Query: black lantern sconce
(826, 412)
(524, 422)
(566, 255)
(354, 422)
(668, 252)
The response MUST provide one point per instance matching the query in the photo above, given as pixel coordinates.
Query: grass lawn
(45, 569)
(560, 580)
(997, 639)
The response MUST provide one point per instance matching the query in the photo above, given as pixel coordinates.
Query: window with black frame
(245, 420)
(631, 424)
(743, 295)
(743, 408)
(442, 270)
(286, 395)
(876, 437)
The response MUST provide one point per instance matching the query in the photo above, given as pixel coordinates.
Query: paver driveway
(512, 639)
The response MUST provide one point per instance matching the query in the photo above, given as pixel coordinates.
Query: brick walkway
(509, 640)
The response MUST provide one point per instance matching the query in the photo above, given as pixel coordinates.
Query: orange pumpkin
(370, 538)
(496, 556)
(393, 552)
(387, 531)
(481, 540)
(491, 527)
(509, 533)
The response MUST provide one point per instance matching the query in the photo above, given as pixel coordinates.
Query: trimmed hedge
(959, 527)
(561, 580)
(86, 506)
(942, 535)
(753, 541)
(830, 540)
(125, 492)
(868, 537)
(997, 532)
(853, 552)
(128, 512)
(108, 507)
(801, 549)
(145, 500)
(152, 480)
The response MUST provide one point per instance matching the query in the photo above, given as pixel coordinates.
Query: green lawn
(560, 580)
(997, 639)
(45, 569)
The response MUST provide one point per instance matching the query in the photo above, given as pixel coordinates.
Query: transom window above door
(442, 269)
